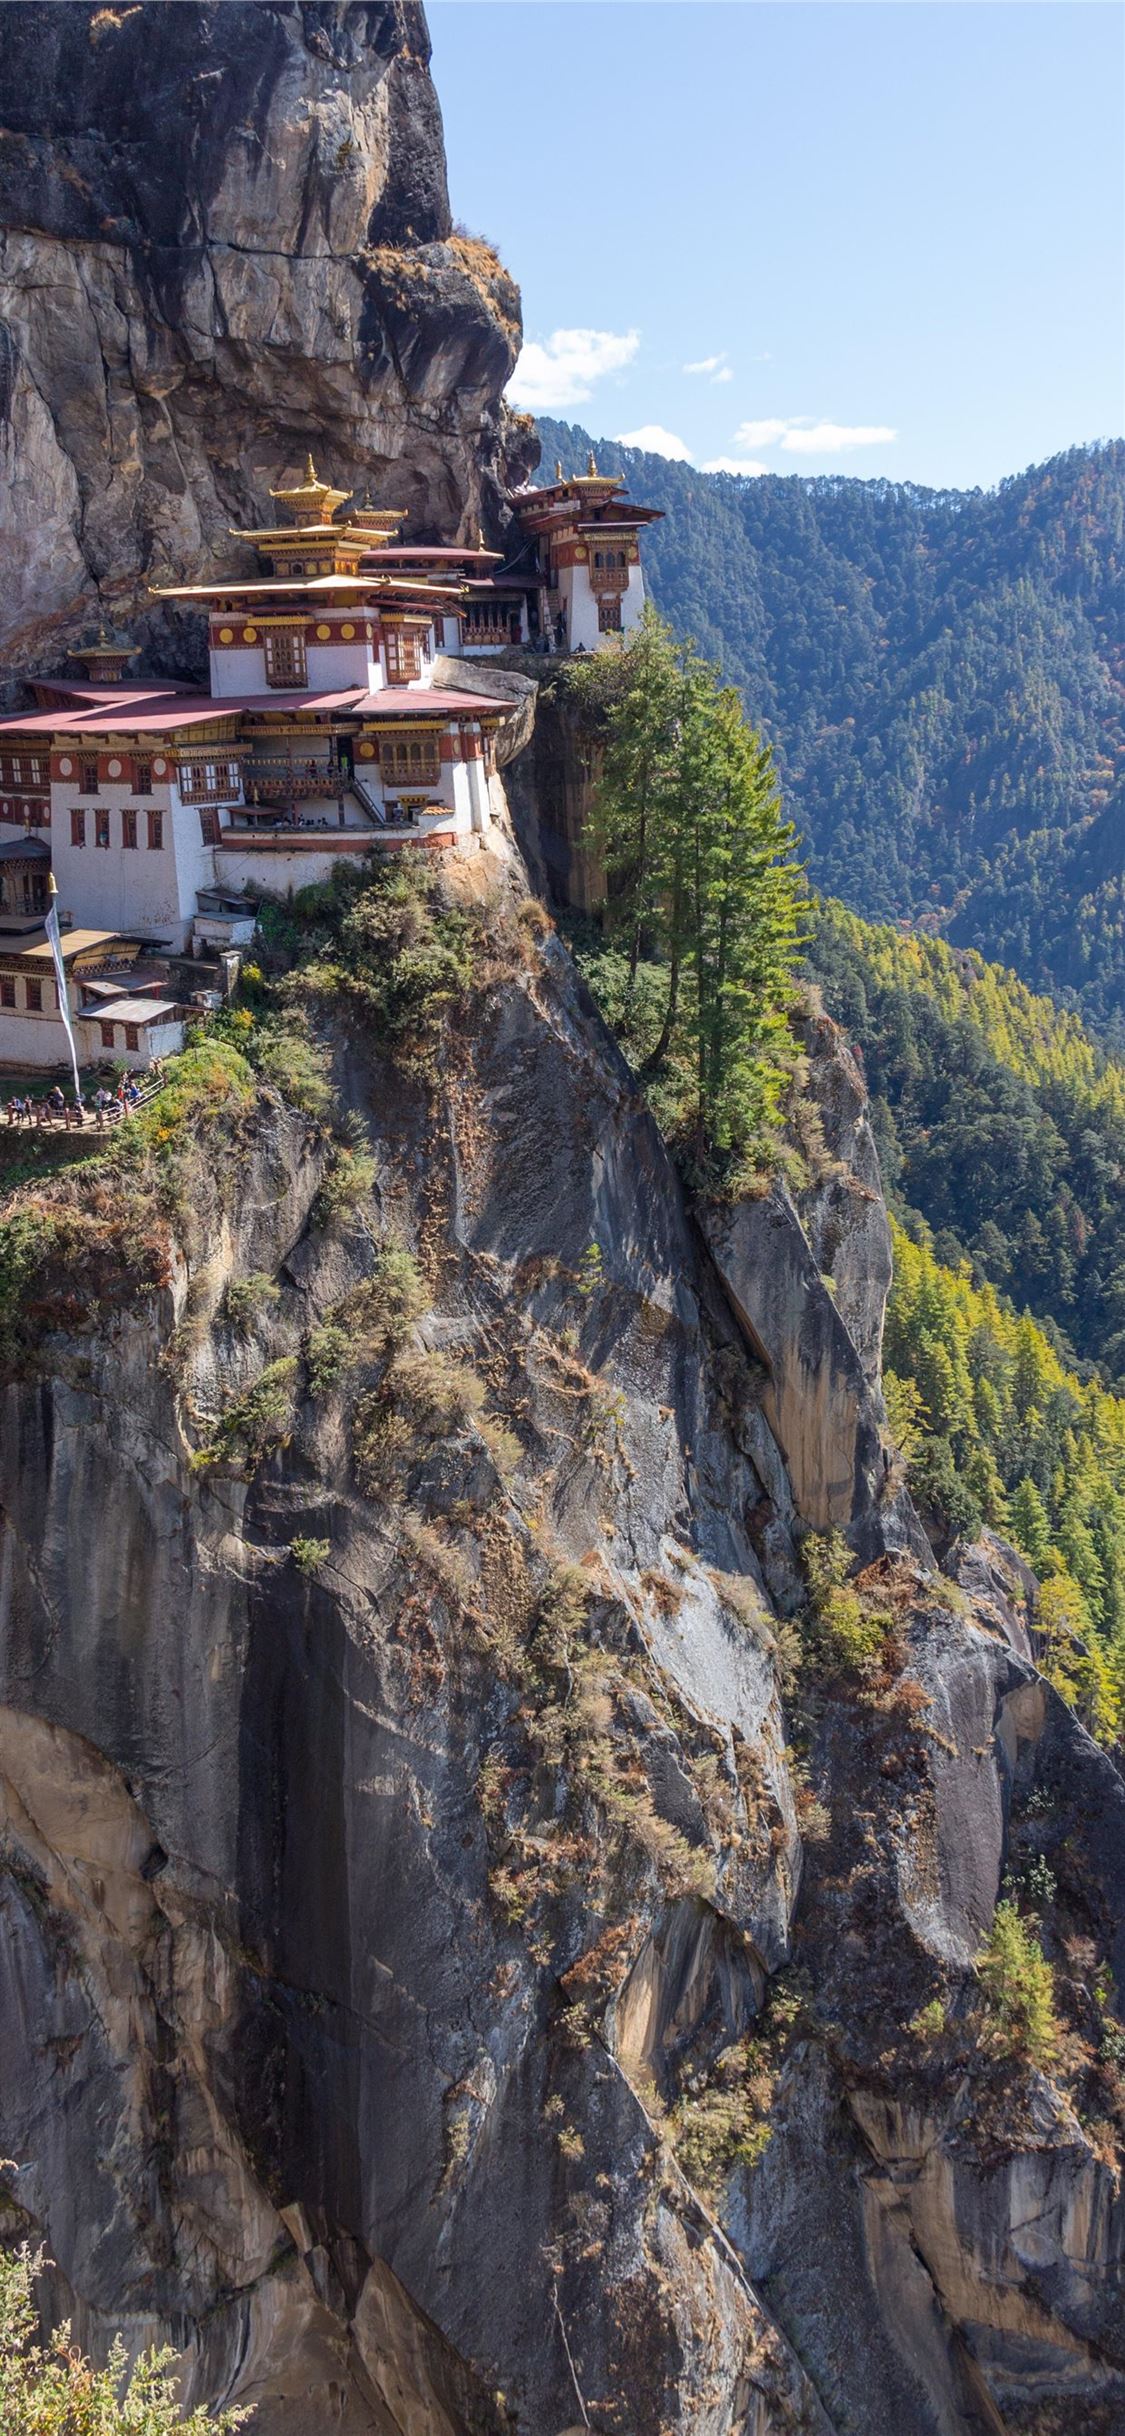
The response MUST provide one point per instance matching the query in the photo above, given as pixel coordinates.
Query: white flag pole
(51, 927)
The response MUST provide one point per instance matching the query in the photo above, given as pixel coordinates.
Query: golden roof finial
(310, 469)
(481, 542)
(558, 469)
(591, 463)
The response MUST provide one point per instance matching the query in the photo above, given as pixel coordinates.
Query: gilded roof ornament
(591, 463)
(311, 501)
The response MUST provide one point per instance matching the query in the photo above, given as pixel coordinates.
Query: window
(209, 826)
(77, 827)
(87, 777)
(129, 828)
(209, 781)
(101, 827)
(156, 830)
(403, 656)
(36, 771)
(106, 1033)
(7, 993)
(410, 760)
(142, 780)
(33, 997)
(609, 617)
(132, 1036)
(285, 656)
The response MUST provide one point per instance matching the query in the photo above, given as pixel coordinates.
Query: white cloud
(761, 435)
(807, 439)
(733, 465)
(659, 443)
(562, 372)
(711, 367)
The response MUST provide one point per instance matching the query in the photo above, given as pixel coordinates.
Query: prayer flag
(52, 929)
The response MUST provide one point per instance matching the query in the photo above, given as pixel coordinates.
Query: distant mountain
(943, 676)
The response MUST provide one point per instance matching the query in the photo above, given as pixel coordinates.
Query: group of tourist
(105, 1106)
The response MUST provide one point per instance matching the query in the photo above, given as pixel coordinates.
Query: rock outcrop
(403, 1850)
(224, 240)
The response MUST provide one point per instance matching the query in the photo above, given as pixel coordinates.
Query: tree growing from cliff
(50, 2390)
(702, 897)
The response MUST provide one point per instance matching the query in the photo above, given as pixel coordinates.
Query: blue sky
(852, 236)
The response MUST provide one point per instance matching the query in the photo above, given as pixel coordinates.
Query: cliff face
(433, 1991)
(225, 240)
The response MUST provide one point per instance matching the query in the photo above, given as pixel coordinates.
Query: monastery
(163, 815)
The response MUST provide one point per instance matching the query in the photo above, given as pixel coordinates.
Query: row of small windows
(610, 558)
(32, 995)
(88, 777)
(154, 822)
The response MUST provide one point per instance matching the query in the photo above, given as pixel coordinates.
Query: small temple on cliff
(162, 813)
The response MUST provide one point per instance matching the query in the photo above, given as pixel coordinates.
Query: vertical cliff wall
(225, 238)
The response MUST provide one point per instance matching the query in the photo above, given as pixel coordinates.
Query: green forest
(940, 675)
(1001, 1130)
(999, 1122)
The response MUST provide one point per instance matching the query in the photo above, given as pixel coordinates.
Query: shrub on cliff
(386, 941)
(50, 2390)
(102, 1231)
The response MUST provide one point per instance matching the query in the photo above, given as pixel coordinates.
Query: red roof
(409, 701)
(155, 712)
(152, 713)
(135, 689)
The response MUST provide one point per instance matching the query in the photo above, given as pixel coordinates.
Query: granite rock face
(225, 240)
(398, 1847)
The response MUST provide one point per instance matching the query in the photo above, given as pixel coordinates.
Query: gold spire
(558, 469)
(591, 463)
(310, 501)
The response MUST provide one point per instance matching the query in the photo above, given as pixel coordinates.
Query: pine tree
(1030, 1524)
(701, 882)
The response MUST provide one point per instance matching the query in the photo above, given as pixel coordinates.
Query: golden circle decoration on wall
(366, 751)
(65, 765)
(249, 634)
(323, 634)
(348, 633)
(226, 634)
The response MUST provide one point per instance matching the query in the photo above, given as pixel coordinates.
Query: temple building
(584, 557)
(162, 812)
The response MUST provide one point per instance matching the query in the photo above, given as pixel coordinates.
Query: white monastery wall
(118, 887)
(334, 666)
(239, 672)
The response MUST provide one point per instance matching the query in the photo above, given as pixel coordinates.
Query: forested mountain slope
(1001, 1133)
(941, 676)
(998, 1119)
